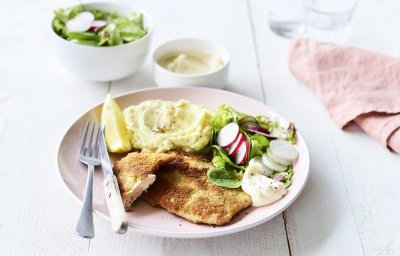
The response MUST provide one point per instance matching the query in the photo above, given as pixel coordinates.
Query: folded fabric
(354, 85)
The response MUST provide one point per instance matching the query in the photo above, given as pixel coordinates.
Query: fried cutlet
(182, 188)
(135, 173)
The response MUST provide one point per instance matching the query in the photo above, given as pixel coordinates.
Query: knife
(119, 220)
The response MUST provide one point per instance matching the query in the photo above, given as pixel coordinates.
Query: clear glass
(328, 20)
(285, 17)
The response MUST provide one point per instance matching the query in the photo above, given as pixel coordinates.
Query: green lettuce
(288, 174)
(224, 178)
(119, 30)
(82, 36)
(224, 115)
(259, 145)
(222, 159)
(291, 133)
(276, 129)
(228, 174)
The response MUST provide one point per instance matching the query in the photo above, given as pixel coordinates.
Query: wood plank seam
(287, 236)
(345, 188)
(254, 39)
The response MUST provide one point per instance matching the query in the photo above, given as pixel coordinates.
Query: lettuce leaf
(288, 174)
(59, 27)
(224, 178)
(62, 15)
(259, 145)
(75, 10)
(119, 30)
(276, 129)
(292, 133)
(85, 36)
(224, 115)
(221, 155)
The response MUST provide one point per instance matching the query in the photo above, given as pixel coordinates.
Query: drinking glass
(285, 17)
(328, 20)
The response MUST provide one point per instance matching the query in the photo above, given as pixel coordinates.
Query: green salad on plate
(240, 140)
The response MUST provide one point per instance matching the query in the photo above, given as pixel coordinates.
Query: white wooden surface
(350, 205)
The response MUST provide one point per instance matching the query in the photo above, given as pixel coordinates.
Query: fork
(89, 155)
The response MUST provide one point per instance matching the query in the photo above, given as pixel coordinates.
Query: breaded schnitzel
(182, 188)
(135, 173)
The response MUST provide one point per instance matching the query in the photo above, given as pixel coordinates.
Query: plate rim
(183, 235)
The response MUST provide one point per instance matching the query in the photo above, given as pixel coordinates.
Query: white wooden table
(350, 206)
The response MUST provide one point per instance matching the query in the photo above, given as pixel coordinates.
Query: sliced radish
(277, 159)
(263, 168)
(284, 150)
(242, 152)
(271, 164)
(248, 144)
(256, 128)
(81, 23)
(97, 24)
(228, 134)
(235, 146)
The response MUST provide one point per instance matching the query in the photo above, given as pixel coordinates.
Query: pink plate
(157, 221)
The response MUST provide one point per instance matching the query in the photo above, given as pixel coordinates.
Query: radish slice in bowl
(228, 134)
(97, 24)
(81, 23)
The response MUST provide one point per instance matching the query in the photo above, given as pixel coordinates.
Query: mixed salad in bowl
(97, 27)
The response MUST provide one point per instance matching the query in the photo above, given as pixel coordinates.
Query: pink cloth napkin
(354, 85)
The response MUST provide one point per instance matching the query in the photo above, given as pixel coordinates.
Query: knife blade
(105, 159)
(115, 206)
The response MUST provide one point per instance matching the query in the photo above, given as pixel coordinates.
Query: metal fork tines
(89, 155)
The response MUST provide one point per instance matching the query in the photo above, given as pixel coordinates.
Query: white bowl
(105, 63)
(166, 78)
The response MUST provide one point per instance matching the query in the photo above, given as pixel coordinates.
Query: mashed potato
(159, 126)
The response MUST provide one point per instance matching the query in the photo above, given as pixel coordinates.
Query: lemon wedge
(116, 134)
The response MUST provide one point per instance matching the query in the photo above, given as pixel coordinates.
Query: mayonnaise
(263, 190)
(192, 62)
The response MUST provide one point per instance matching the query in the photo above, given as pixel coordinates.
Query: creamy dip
(263, 190)
(192, 62)
(160, 126)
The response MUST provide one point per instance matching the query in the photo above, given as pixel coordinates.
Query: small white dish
(105, 63)
(166, 78)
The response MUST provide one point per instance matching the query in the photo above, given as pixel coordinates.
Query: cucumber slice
(277, 159)
(283, 150)
(271, 164)
(248, 119)
(263, 168)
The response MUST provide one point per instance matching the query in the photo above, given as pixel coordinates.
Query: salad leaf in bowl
(97, 27)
